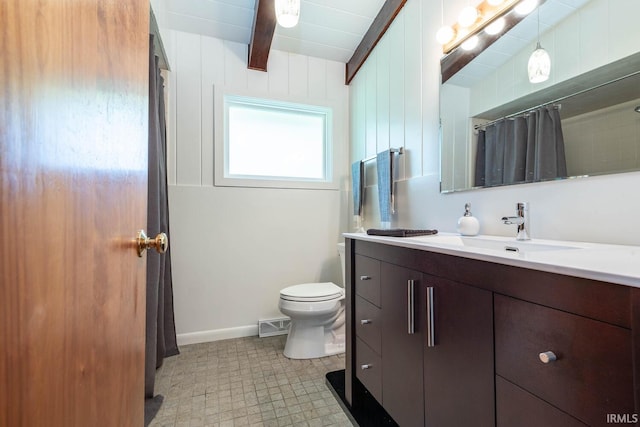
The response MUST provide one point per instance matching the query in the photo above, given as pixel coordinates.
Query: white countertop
(609, 263)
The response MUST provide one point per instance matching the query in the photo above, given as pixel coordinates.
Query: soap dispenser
(468, 225)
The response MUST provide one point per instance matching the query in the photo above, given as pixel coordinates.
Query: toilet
(317, 317)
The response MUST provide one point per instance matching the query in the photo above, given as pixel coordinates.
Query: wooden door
(73, 183)
(402, 387)
(458, 369)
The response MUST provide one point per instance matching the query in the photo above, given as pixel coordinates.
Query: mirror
(594, 88)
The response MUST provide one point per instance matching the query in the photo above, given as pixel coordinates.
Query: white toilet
(317, 318)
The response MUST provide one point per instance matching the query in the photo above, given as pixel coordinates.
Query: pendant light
(287, 12)
(539, 66)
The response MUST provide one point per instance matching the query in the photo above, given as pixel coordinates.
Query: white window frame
(221, 176)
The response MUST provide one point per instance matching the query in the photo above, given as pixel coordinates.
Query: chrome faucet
(521, 220)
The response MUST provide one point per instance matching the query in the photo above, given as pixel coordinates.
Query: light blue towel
(384, 163)
(357, 183)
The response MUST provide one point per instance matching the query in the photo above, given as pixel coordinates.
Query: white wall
(233, 249)
(599, 209)
(603, 140)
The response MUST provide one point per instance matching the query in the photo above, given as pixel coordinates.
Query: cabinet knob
(366, 366)
(365, 321)
(547, 357)
(365, 278)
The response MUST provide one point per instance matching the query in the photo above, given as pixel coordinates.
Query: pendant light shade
(539, 66)
(287, 12)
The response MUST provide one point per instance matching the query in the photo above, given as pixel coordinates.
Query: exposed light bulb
(525, 7)
(468, 16)
(495, 2)
(470, 43)
(287, 12)
(539, 66)
(445, 35)
(495, 27)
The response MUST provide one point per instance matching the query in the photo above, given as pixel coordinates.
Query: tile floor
(246, 382)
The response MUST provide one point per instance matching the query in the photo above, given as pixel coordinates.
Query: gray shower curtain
(160, 325)
(528, 148)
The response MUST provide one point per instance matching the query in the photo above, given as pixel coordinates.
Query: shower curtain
(528, 148)
(160, 326)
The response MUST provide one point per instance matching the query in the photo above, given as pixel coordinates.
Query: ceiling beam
(264, 25)
(385, 17)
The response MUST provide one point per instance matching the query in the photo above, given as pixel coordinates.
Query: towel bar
(393, 150)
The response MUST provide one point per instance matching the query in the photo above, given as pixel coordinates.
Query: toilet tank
(342, 261)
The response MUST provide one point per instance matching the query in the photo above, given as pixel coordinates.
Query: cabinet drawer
(367, 320)
(368, 279)
(371, 375)
(592, 376)
(517, 407)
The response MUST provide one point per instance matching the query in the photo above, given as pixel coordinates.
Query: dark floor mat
(366, 411)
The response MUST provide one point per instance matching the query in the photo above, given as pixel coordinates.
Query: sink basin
(500, 244)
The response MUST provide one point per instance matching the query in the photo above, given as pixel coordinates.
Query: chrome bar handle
(365, 278)
(431, 336)
(411, 327)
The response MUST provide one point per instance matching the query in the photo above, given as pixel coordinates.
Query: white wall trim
(217, 335)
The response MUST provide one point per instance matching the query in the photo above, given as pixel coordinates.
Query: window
(271, 143)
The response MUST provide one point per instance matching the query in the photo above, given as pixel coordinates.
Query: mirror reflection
(500, 129)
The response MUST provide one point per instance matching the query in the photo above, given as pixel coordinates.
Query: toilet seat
(312, 292)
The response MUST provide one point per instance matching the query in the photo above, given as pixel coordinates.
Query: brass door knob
(160, 243)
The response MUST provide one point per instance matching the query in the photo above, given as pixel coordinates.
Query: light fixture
(495, 27)
(445, 34)
(287, 12)
(637, 109)
(525, 7)
(487, 20)
(539, 66)
(468, 16)
(470, 43)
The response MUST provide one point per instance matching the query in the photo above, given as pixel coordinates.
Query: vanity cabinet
(458, 360)
(452, 341)
(579, 365)
(403, 328)
(388, 329)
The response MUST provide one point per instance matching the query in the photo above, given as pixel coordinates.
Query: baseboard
(217, 335)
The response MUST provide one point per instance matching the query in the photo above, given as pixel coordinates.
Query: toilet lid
(312, 292)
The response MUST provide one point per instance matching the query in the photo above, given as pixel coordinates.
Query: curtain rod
(393, 150)
(518, 114)
(555, 101)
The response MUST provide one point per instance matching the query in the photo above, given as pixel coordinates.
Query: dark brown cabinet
(579, 365)
(441, 340)
(458, 363)
(403, 327)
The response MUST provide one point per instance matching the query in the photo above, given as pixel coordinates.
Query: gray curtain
(481, 158)
(160, 325)
(549, 156)
(521, 149)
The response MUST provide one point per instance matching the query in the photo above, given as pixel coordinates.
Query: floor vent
(271, 327)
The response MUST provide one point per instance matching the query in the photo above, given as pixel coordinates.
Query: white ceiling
(330, 29)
